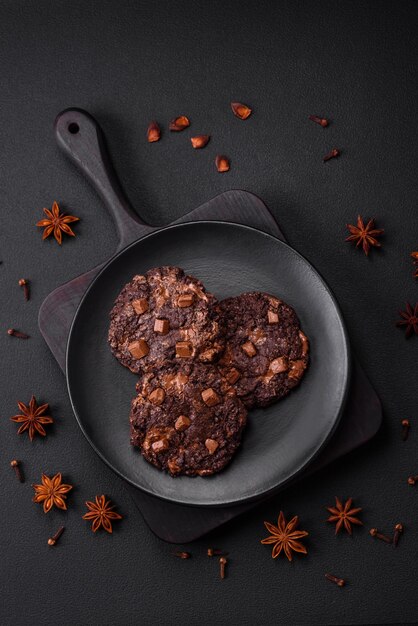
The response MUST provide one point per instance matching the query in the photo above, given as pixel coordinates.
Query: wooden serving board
(80, 137)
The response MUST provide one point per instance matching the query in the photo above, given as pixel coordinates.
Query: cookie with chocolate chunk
(187, 419)
(266, 352)
(164, 315)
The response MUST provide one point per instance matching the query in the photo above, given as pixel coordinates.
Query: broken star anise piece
(222, 163)
(52, 492)
(101, 513)
(285, 537)
(32, 418)
(153, 132)
(364, 235)
(241, 110)
(57, 223)
(409, 319)
(344, 515)
(179, 123)
(200, 141)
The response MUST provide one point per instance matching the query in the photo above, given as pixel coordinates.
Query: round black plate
(279, 441)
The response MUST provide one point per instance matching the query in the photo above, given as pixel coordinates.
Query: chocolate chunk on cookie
(187, 419)
(161, 316)
(266, 352)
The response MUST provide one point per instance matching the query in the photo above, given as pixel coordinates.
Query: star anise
(284, 537)
(343, 514)
(414, 255)
(101, 513)
(364, 235)
(409, 319)
(32, 418)
(51, 492)
(57, 223)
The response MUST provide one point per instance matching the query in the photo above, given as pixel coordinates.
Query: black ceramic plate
(279, 441)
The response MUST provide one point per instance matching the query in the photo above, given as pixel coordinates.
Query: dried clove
(53, 540)
(375, 533)
(319, 120)
(338, 581)
(182, 555)
(332, 155)
(25, 284)
(222, 562)
(16, 333)
(16, 466)
(398, 532)
(405, 429)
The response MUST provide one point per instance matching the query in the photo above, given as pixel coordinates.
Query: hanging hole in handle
(73, 128)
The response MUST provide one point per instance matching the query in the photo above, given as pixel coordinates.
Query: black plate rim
(247, 498)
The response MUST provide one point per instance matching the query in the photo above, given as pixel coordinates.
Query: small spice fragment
(343, 514)
(153, 132)
(16, 466)
(398, 532)
(32, 418)
(405, 429)
(25, 284)
(414, 255)
(334, 579)
(375, 533)
(241, 110)
(222, 163)
(364, 235)
(57, 223)
(412, 480)
(284, 537)
(179, 123)
(331, 155)
(222, 563)
(182, 555)
(16, 333)
(51, 492)
(53, 540)
(409, 319)
(319, 120)
(101, 514)
(200, 141)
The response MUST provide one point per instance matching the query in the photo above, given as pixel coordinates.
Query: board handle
(81, 138)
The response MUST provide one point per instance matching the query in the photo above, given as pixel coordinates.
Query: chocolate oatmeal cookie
(266, 352)
(187, 419)
(164, 316)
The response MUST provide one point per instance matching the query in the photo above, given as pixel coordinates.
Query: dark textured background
(127, 63)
